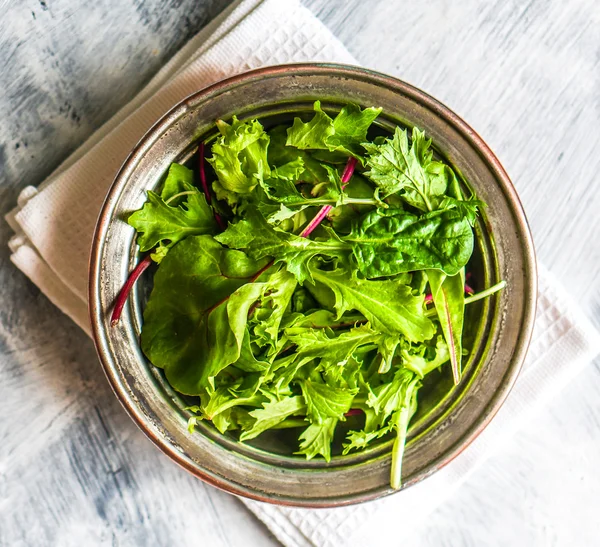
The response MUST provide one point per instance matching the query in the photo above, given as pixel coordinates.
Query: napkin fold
(54, 226)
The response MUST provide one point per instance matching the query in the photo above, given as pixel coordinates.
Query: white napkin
(54, 226)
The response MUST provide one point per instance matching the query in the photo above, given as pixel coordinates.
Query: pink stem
(429, 297)
(124, 292)
(354, 412)
(346, 176)
(205, 187)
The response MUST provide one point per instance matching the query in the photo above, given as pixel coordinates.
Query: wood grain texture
(74, 470)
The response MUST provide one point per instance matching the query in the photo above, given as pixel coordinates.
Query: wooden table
(74, 470)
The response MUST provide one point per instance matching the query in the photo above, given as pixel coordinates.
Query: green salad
(308, 273)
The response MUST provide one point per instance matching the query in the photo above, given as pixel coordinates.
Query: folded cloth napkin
(54, 226)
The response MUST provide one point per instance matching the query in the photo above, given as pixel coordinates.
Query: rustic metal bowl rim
(106, 216)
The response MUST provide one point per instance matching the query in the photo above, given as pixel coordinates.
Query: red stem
(124, 292)
(354, 412)
(205, 187)
(346, 176)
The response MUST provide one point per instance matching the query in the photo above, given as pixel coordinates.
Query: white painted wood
(74, 470)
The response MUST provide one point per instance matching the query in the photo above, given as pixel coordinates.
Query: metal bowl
(449, 418)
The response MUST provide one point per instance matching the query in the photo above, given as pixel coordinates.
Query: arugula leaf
(345, 133)
(448, 294)
(395, 166)
(273, 413)
(390, 242)
(239, 158)
(389, 305)
(358, 440)
(316, 439)
(187, 331)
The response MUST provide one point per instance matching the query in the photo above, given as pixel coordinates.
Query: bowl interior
(448, 417)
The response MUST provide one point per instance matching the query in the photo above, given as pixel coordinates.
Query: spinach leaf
(390, 242)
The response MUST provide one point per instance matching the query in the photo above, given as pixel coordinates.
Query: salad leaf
(179, 179)
(397, 166)
(389, 305)
(324, 401)
(269, 329)
(260, 240)
(180, 211)
(273, 413)
(345, 133)
(187, 331)
(332, 351)
(390, 242)
(420, 361)
(239, 158)
(279, 154)
(316, 439)
(448, 294)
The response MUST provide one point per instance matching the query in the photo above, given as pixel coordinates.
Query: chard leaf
(345, 133)
(316, 439)
(448, 294)
(324, 401)
(187, 331)
(260, 240)
(159, 223)
(389, 305)
(397, 166)
(239, 158)
(393, 242)
(273, 413)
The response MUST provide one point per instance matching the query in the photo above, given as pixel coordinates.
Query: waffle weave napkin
(54, 225)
